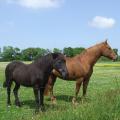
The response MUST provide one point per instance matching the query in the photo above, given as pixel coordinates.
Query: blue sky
(59, 23)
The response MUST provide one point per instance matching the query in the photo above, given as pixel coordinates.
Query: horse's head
(60, 64)
(107, 51)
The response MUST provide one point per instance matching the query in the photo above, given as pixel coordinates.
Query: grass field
(102, 102)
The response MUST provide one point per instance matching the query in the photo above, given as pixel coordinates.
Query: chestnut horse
(80, 68)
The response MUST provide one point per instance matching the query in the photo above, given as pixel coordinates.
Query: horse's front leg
(49, 88)
(78, 85)
(53, 98)
(36, 93)
(86, 82)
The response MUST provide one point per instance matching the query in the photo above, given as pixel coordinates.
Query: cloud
(35, 4)
(102, 22)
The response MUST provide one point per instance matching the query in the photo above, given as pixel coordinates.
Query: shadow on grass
(32, 105)
(68, 98)
(29, 103)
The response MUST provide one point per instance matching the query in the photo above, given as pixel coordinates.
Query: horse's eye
(59, 62)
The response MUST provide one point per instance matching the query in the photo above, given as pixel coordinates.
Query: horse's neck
(91, 56)
(47, 64)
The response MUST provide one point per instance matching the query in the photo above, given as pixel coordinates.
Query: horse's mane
(88, 49)
(47, 59)
(44, 59)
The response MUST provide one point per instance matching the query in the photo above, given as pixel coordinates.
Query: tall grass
(102, 101)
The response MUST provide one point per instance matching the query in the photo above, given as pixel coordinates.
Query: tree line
(10, 53)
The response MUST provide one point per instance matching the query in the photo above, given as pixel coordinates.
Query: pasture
(102, 101)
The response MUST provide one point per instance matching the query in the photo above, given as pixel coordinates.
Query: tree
(116, 51)
(33, 53)
(68, 51)
(28, 54)
(17, 54)
(77, 50)
(41, 52)
(56, 50)
(8, 53)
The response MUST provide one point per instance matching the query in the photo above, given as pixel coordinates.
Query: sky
(59, 23)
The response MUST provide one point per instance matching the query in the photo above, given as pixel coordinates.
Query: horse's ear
(54, 55)
(106, 41)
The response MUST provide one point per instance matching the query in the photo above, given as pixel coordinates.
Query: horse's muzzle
(115, 58)
(63, 73)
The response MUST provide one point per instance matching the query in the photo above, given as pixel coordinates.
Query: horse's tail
(5, 84)
(7, 78)
(9, 72)
(8, 75)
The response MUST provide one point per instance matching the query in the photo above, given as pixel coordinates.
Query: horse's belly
(75, 74)
(26, 83)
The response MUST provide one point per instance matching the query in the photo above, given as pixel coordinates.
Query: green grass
(102, 102)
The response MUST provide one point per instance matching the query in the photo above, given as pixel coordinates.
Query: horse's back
(12, 66)
(27, 75)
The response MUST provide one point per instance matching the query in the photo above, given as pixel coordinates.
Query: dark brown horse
(33, 75)
(80, 68)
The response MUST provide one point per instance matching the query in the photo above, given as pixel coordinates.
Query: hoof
(84, 99)
(74, 102)
(53, 100)
(8, 104)
(36, 111)
(42, 109)
(18, 104)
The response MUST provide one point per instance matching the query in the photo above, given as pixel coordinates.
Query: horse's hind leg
(15, 91)
(85, 83)
(9, 92)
